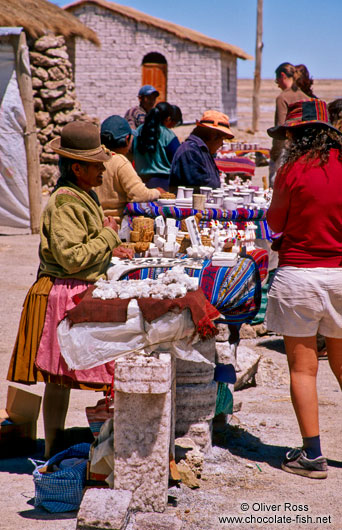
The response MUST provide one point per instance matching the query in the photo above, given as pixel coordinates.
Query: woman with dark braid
(154, 147)
(305, 297)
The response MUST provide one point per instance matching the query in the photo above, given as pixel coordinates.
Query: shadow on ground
(43, 515)
(245, 445)
(273, 344)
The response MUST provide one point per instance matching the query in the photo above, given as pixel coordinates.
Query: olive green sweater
(74, 242)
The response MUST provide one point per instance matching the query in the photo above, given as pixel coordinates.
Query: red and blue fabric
(240, 216)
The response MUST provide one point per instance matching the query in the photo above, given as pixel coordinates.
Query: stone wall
(107, 79)
(55, 99)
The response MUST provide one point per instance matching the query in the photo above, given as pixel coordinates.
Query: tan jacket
(285, 98)
(121, 184)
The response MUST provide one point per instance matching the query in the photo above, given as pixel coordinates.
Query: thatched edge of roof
(175, 29)
(41, 17)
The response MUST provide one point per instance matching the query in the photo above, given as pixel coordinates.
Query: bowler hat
(304, 113)
(216, 120)
(80, 140)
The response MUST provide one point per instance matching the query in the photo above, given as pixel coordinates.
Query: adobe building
(188, 68)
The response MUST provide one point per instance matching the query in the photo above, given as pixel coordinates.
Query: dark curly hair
(150, 131)
(335, 113)
(313, 141)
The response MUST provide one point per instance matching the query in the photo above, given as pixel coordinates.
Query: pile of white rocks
(55, 101)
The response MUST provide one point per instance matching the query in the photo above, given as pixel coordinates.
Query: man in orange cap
(193, 164)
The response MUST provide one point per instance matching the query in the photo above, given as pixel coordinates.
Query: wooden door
(155, 74)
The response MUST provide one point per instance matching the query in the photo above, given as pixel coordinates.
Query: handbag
(61, 490)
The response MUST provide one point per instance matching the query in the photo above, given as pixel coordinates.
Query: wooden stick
(30, 134)
(257, 71)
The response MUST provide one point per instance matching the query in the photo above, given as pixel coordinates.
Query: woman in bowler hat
(76, 245)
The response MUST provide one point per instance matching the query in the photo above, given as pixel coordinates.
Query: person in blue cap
(121, 183)
(147, 99)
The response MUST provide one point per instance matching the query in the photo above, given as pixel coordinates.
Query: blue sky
(298, 31)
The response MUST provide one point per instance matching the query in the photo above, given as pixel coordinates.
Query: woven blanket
(237, 164)
(234, 291)
(240, 216)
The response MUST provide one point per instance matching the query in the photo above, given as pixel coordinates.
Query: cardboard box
(19, 437)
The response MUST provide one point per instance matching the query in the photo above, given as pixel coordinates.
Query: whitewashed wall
(108, 78)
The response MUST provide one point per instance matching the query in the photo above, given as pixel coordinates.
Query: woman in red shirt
(306, 294)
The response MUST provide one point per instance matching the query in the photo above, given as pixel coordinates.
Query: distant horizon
(314, 78)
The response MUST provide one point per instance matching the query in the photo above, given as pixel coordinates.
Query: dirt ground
(242, 475)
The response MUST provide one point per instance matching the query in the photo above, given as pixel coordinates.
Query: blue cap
(117, 127)
(147, 90)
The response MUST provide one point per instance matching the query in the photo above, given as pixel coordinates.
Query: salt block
(104, 508)
(223, 334)
(138, 374)
(226, 353)
(195, 403)
(189, 372)
(142, 430)
(200, 433)
(154, 521)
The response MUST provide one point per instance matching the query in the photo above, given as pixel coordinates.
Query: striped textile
(237, 164)
(234, 291)
(240, 216)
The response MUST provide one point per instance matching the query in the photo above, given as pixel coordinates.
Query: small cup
(188, 192)
(180, 192)
(198, 201)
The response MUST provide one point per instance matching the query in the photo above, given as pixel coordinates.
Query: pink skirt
(49, 358)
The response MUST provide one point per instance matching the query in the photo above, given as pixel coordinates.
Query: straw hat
(304, 113)
(80, 140)
(213, 119)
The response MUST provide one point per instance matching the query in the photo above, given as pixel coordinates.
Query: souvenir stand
(161, 334)
(235, 291)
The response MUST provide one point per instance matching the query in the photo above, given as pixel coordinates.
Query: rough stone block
(138, 374)
(247, 332)
(41, 60)
(157, 521)
(142, 424)
(189, 372)
(141, 448)
(49, 41)
(42, 119)
(200, 433)
(104, 508)
(195, 403)
(223, 334)
(246, 367)
(226, 353)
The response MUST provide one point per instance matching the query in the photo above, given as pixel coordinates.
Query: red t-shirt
(307, 207)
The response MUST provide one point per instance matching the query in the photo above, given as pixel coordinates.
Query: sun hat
(301, 114)
(80, 140)
(116, 127)
(147, 90)
(216, 120)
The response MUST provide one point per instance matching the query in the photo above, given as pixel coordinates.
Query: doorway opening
(154, 72)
